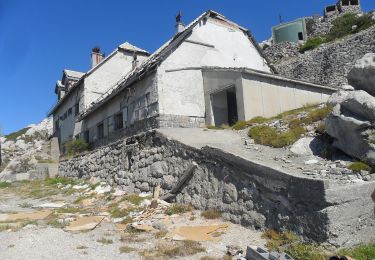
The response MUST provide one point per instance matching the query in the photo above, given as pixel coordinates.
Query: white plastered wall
(107, 74)
(181, 90)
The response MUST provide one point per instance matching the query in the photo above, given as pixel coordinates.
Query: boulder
(307, 146)
(362, 75)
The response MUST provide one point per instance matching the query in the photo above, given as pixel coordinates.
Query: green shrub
(239, 125)
(76, 146)
(13, 136)
(311, 44)
(267, 135)
(4, 184)
(362, 252)
(319, 114)
(342, 26)
(359, 166)
(305, 251)
(211, 214)
(258, 120)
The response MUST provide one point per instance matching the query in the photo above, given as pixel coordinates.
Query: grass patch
(240, 125)
(258, 120)
(76, 147)
(133, 237)
(178, 209)
(359, 166)
(311, 44)
(212, 127)
(25, 205)
(135, 199)
(211, 214)
(60, 180)
(55, 223)
(4, 184)
(173, 250)
(126, 249)
(289, 243)
(160, 234)
(267, 135)
(82, 247)
(105, 241)
(362, 252)
(72, 210)
(119, 213)
(13, 136)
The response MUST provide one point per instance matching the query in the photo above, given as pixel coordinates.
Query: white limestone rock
(307, 146)
(362, 75)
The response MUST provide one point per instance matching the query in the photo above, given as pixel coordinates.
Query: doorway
(224, 107)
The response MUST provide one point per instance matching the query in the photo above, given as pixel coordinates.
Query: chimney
(96, 56)
(179, 25)
(135, 61)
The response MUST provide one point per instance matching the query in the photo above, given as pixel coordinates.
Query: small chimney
(96, 56)
(179, 25)
(135, 61)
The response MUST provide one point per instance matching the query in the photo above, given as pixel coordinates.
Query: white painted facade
(88, 89)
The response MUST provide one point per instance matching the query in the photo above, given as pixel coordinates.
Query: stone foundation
(248, 193)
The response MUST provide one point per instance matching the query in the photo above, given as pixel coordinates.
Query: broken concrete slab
(197, 233)
(36, 215)
(84, 223)
(51, 205)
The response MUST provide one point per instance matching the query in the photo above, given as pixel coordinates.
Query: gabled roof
(80, 76)
(73, 74)
(129, 47)
(155, 58)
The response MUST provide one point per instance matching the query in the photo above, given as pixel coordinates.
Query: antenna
(179, 16)
(280, 19)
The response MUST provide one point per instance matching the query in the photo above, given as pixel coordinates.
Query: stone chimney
(96, 56)
(179, 25)
(135, 61)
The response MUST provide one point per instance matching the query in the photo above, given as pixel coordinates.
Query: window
(119, 123)
(100, 131)
(86, 136)
(76, 108)
(300, 36)
(69, 111)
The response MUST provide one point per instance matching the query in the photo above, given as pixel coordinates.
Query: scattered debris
(197, 233)
(84, 223)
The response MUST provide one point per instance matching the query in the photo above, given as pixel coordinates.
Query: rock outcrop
(362, 76)
(352, 120)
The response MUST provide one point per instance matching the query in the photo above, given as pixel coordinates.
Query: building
(294, 31)
(77, 90)
(211, 72)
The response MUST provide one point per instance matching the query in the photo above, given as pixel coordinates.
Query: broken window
(119, 122)
(344, 2)
(76, 109)
(300, 36)
(354, 2)
(330, 8)
(100, 130)
(86, 136)
(69, 111)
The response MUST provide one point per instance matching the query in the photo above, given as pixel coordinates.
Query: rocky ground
(23, 150)
(67, 219)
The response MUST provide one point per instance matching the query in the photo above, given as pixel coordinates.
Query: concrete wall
(107, 74)
(211, 43)
(259, 95)
(248, 193)
(269, 97)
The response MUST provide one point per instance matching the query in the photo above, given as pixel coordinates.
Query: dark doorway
(224, 107)
(232, 107)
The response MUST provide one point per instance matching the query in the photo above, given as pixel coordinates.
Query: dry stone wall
(248, 193)
(330, 63)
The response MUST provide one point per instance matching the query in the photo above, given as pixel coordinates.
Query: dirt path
(35, 217)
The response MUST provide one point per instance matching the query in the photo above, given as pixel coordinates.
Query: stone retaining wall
(248, 193)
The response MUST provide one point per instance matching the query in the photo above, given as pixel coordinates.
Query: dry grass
(105, 241)
(211, 214)
(130, 237)
(178, 209)
(126, 249)
(173, 250)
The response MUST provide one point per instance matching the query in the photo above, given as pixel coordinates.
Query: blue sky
(39, 38)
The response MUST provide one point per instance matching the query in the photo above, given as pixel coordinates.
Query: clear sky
(39, 38)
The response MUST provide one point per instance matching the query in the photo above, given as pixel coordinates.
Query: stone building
(211, 72)
(76, 90)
